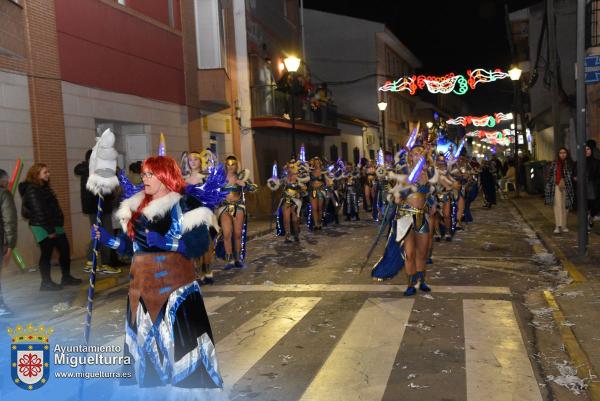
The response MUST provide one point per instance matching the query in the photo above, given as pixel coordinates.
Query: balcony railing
(267, 101)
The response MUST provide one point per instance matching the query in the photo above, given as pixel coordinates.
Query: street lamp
(515, 74)
(382, 106)
(292, 63)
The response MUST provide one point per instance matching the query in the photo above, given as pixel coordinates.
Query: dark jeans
(61, 243)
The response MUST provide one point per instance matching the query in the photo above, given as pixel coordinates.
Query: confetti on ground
(568, 378)
(60, 307)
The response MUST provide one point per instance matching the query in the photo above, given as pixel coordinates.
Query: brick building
(71, 68)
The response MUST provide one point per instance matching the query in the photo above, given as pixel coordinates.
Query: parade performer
(166, 224)
(381, 185)
(198, 165)
(232, 216)
(445, 197)
(333, 201)
(368, 174)
(316, 192)
(462, 173)
(351, 191)
(408, 243)
(290, 204)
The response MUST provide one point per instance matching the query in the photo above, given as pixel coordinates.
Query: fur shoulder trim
(156, 208)
(197, 217)
(161, 206)
(127, 207)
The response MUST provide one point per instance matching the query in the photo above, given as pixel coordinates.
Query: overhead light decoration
(485, 134)
(449, 83)
(481, 121)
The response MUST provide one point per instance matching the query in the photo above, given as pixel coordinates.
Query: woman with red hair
(165, 229)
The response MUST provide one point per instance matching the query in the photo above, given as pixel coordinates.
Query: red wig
(166, 170)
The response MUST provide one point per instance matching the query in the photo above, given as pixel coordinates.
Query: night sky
(449, 36)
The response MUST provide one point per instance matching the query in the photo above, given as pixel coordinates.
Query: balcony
(214, 89)
(272, 108)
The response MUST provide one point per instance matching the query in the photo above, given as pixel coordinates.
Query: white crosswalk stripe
(498, 368)
(360, 365)
(240, 350)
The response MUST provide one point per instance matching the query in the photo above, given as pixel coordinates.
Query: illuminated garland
(490, 134)
(504, 137)
(483, 121)
(448, 83)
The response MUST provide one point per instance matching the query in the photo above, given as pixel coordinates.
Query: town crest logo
(30, 355)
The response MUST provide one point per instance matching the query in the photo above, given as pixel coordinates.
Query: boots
(67, 279)
(238, 261)
(410, 289)
(422, 285)
(230, 264)
(47, 283)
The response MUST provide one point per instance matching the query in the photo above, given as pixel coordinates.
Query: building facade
(361, 60)
(149, 67)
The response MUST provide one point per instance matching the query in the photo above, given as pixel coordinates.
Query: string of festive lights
(490, 134)
(480, 75)
(449, 83)
(481, 121)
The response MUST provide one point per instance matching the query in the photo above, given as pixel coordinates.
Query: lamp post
(382, 106)
(292, 63)
(515, 75)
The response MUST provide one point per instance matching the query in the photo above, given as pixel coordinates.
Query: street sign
(592, 69)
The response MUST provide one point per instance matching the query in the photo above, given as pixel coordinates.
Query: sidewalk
(21, 290)
(579, 302)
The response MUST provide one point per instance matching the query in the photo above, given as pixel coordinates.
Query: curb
(549, 243)
(576, 353)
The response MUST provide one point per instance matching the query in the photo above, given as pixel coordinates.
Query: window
(171, 7)
(121, 2)
(333, 152)
(210, 34)
(290, 11)
(356, 155)
(372, 154)
(345, 151)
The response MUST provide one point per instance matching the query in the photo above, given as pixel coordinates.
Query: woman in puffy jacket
(46, 220)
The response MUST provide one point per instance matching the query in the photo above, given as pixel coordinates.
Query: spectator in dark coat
(592, 174)
(8, 230)
(46, 221)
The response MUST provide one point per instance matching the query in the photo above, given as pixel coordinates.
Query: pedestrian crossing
(359, 364)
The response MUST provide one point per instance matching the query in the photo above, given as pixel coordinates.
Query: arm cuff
(173, 244)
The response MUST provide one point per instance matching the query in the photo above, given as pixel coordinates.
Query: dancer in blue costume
(351, 192)
(408, 242)
(196, 168)
(368, 173)
(317, 193)
(167, 333)
(461, 171)
(446, 193)
(290, 204)
(232, 216)
(381, 186)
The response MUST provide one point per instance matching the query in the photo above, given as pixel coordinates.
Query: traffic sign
(592, 69)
